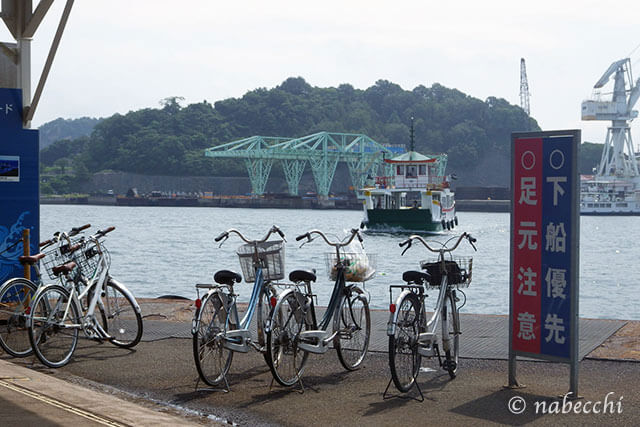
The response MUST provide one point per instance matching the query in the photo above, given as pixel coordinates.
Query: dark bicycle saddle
(302, 276)
(226, 277)
(417, 277)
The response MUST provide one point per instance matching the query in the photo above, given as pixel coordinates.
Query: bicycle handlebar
(354, 232)
(101, 233)
(442, 250)
(273, 229)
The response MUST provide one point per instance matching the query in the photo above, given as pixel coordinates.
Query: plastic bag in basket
(358, 266)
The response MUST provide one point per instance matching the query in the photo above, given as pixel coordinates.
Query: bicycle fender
(393, 317)
(127, 292)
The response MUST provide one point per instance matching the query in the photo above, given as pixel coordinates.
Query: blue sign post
(545, 229)
(19, 184)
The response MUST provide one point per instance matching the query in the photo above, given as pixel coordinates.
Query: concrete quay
(157, 383)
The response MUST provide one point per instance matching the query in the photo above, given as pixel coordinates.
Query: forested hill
(170, 140)
(60, 128)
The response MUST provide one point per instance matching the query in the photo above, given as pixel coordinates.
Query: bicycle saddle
(302, 276)
(417, 277)
(30, 260)
(63, 269)
(226, 277)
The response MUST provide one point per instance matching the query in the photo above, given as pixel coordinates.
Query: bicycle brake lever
(224, 239)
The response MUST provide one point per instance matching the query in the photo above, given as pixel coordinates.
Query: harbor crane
(524, 88)
(618, 157)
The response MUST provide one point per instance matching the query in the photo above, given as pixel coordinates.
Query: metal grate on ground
(483, 336)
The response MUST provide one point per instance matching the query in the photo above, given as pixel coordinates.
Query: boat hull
(415, 220)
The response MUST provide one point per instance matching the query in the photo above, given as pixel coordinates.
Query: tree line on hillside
(170, 140)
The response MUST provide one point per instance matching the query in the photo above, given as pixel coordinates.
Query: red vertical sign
(526, 245)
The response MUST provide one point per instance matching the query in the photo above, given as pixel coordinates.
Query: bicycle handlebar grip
(106, 230)
(76, 230)
(221, 236)
(45, 243)
(406, 242)
(472, 239)
(357, 233)
(74, 248)
(302, 236)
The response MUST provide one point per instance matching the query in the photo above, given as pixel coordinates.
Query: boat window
(400, 170)
(422, 169)
(621, 205)
(411, 171)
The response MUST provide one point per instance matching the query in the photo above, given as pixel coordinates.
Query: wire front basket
(59, 254)
(359, 267)
(88, 258)
(459, 271)
(268, 255)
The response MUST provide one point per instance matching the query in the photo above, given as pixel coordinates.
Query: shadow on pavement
(495, 407)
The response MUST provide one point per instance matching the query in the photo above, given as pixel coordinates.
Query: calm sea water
(164, 250)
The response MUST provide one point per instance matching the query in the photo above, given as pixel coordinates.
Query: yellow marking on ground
(58, 404)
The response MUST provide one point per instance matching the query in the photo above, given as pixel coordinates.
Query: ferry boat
(413, 196)
(609, 196)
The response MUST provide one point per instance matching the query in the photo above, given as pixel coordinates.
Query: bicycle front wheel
(54, 323)
(124, 322)
(15, 297)
(404, 360)
(285, 359)
(212, 359)
(451, 319)
(353, 325)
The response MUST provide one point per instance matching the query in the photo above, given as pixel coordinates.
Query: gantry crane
(618, 156)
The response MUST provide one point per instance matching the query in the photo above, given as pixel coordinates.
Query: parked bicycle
(293, 330)
(17, 293)
(94, 303)
(217, 330)
(412, 334)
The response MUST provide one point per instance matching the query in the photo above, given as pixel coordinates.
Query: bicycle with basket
(92, 302)
(412, 333)
(217, 329)
(293, 330)
(17, 293)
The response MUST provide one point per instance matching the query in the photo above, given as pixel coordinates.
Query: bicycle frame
(428, 338)
(239, 340)
(317, 340)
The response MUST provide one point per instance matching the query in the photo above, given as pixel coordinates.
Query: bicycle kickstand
(386, 396)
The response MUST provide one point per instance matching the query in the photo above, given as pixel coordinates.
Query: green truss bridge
(322, 150)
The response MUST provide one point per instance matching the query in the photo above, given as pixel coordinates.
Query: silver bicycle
(17, 293)
(412, 334)
(96, 304)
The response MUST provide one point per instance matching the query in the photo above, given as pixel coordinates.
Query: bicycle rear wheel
(354, 329)
(404, 360)
(212, 359)
(15, 297)
(452, 320)
(124, 322)
(285, 359)
(54, 323)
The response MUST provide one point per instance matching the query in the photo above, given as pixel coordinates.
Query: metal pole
(25, 250)
(47, 66)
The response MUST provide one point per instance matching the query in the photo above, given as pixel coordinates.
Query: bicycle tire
(53, 330)
(263, 313)
(353, 324)
(286, 359)
(15, 297)
(212, 359)
(450, 314)
(124, 322)
(404, 360)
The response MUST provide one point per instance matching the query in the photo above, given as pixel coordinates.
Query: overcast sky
(119, 55)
